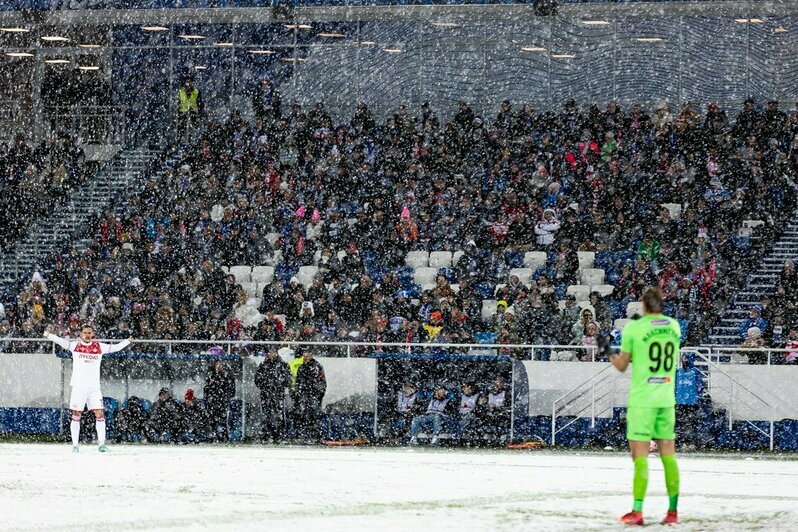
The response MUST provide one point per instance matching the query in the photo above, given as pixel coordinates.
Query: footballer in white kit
(87, 355)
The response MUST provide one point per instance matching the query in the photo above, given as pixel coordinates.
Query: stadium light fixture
(756, 21)
(533, 49)
(89, 46)
(293, 59)
(191, 36)
(260, 52)
(368, 43)
(332, 35)
(649, 39)
(747, 20)
(155, 28)
(57, 61)
(563, 56)
(595, 22)
(54, 38)
(393, 50)
(226, 44)
(19, 54)
(200, 67)
(15, 30)
(780, 29)
(298, 26)
(88, 68)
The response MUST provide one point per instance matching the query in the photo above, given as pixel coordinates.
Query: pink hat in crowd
(300, 212)
(405, 212)
(315, 217)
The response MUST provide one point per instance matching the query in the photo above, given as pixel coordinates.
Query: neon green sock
(640, 483)
(671, 480)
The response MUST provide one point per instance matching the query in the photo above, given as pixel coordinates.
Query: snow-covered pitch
(249, 487)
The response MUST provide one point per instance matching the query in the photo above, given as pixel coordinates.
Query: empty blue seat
(604, 260)
(485, 337)
(514, 259)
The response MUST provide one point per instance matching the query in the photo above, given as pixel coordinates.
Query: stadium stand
(311, 219)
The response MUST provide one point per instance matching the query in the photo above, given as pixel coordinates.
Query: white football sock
(101, 432)
(74, 429)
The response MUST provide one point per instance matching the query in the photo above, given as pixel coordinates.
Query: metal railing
(590, 399)
(596, 394)
(93, 124)
(745, 399)
(724, 354)
(347, 349)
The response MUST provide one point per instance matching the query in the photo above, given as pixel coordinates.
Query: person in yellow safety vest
(294, 366)
(189, 107)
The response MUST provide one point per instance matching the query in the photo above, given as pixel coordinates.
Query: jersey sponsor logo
(660, 323)
(659, 380)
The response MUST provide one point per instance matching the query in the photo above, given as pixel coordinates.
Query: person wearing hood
(716, 193)
(586, 317)
(754, 340)
(469, 265)
(546, 228)
(273, 378)
(165, 418)
(220, 388)
(195, 419)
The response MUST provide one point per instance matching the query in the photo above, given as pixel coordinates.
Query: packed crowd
(354, 198)
(34, 179)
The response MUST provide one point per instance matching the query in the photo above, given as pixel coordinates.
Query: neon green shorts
(646, 424)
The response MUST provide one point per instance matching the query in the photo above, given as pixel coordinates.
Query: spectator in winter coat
(195, 419)
(590, 342)
(165, 418)
(406, 409)
(220, 388)
(546, 229)
(131, 421)
(440, 411)
(602, 311)
(434, 327)
(92, 307)
(649, 249)
(494, 411)
(586, 317)
(273, 378)
(467, 412)
(716, 194)
(311, 385)
(754, 320)
(754, 340)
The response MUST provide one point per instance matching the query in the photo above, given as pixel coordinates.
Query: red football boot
(671, 518)
(633, 518)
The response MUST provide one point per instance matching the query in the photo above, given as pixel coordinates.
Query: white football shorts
(80, 397)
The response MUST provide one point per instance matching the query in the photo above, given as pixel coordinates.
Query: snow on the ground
(147, 487)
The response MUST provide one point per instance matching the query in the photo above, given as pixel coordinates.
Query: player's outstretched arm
(61, 342)
(113, 348)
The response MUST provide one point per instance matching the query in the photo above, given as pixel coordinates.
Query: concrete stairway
(66, 220)
(760, 282)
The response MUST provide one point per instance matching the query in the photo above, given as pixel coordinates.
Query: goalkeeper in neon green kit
(651, 344)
